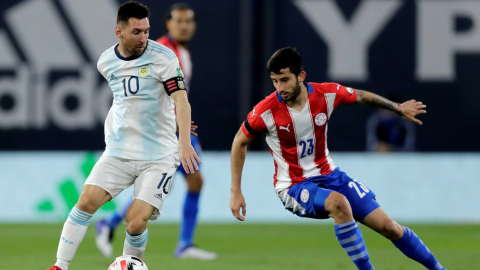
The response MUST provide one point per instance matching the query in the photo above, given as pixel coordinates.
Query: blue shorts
(312, 193)
(198, 148)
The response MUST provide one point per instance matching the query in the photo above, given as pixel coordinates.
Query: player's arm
(408, 110)
(188, 156)
(239, 153)
(193, 128)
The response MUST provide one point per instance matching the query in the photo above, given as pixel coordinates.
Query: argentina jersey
(141, 122)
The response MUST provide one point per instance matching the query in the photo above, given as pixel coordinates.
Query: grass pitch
(243, 247)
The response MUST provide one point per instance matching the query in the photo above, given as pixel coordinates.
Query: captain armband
(174, 84)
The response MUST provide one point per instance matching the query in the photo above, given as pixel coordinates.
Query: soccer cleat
(54, 268)
(103, 238)
(193, 252)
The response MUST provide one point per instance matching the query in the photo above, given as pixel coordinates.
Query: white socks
(73, 233)
(135, 245)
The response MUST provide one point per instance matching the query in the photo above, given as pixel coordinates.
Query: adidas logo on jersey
(112, 77)
(285, 128)
(158, 196)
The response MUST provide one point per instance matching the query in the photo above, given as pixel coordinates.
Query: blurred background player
(180, 26)
(389, 132)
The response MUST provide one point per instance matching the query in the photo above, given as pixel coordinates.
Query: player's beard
(134, 51)
(295, 92)
(139, 52)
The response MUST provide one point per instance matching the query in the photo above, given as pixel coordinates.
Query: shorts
(307, 198)
(198, 148)
(152, 179)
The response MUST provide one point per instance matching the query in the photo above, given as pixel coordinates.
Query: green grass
(244, 246)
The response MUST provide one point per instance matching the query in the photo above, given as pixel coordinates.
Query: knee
(338, 206)
(136, 226)
(87, 204)
(195, 182)
(92, 198)
(391, 230)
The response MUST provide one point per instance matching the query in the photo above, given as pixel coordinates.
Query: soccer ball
(128, 262)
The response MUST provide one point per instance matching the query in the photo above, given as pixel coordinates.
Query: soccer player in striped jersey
(180, 25)
(294, 120)
(142, 148)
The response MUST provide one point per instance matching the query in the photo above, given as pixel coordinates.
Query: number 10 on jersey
(128, 84)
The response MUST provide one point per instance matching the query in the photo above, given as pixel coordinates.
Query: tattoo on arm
(359, 95)
(374, 100)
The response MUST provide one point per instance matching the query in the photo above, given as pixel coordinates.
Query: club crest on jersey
(350, 90)
(143, 72)
(305, 195)
(181, 84)
(320, 119)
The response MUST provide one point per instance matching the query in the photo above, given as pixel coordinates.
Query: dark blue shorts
(198, 148)
(312, 193)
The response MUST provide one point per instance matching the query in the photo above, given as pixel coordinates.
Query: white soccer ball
(128, 262)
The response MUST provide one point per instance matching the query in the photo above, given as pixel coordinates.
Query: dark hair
(180, 6)
(132, 9)
(285, 58)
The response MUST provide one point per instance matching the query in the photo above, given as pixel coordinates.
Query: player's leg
(108, 178)
(346, 229)
(402, 237)
(151, 188)
(75, 227)
(136, 228)
(105, 229)
(190, 211)
(185, 247)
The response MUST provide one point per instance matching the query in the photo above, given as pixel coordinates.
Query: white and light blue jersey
(141, 122)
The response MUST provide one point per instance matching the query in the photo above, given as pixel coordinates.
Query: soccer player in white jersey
(295, 119)
(180, 24)
(141, 146)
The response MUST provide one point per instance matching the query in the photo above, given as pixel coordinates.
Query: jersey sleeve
(344, 95)
(101, 68)
(254, 124)
(171, 76)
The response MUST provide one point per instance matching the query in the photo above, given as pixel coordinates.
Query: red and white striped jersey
(298, 140)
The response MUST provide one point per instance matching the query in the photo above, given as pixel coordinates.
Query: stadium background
(53, 103)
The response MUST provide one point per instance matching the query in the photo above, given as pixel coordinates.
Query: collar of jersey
(171, 39)
(128, 58)
(309, 88)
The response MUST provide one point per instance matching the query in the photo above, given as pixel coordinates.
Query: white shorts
(152, 179)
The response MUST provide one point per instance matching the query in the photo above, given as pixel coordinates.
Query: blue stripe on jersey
(149, 142)
(118, 138)
(162, 52)
(105, 53)
(165, 52)
(163, 49)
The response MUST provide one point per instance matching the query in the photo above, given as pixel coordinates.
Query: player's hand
(192, 128)
(188, 157)
(237, 202)
(412, 108)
